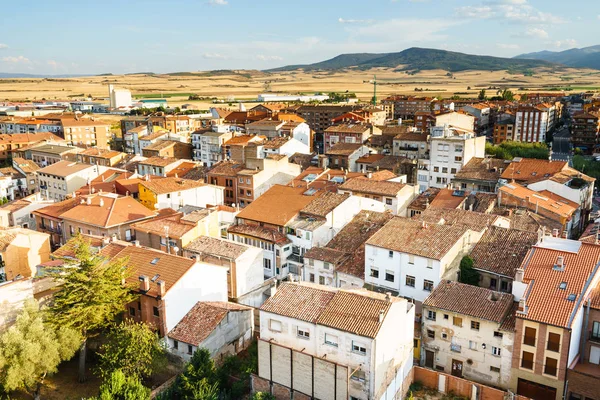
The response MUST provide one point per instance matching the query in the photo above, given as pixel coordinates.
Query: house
(155, 136)
(28, 168)
(330, 343)
(12, 183)
(48, 154)
(234, 149)
(284, 145)
(160, 166)
(224, 174)
(132, 135)
(18, 213)
(498, 255)
(62, 178)
(469, 332)
(422, 202)
(169, 286)
(99, 156)
(481, 112)
(345, 156)
(504, 130)
(479, 175)
(341, 262)
(395, 196)
(412, 145)
(566, 212)
(102, 214)
(168, 148)
(223, 328)
(12, 143)
(265, 127)
(172, 192)
(244, 263)
(348, 133)
(405, 107)
(173, 231)
(21, 251)
(450, 149)
(411, 258)
(554, 287)
(208, 145)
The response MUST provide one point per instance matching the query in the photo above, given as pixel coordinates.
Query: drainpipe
(584, 330)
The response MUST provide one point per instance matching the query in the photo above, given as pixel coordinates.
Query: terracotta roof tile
(324, 204)
(423, 201)
(27, 166)
(226, 167)
(348, 128)
(534, 200)
(159, 161)
(302, 302)
(469, 219)
(343, 149)
(369, 186)
(217, 247)
(267, 234)
(65, 168)
(529, 170)
(470, 300)
(481, 169)
(170, 185)
(107, 210)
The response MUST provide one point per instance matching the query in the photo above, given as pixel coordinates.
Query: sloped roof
(370, 186)
(170, 185)
(107, 210)
(217, 247)
(531, 170)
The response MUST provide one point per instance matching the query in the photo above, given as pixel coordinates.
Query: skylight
(563, 285)
(571, 297)
(153, 262)
(155, 277)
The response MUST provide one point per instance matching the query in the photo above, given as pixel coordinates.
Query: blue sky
(120, 36)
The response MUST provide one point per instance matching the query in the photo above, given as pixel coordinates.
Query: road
(561, 145)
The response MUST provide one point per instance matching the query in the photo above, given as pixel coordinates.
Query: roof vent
(494, 296)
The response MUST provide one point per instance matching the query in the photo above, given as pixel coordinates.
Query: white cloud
(511, 10)
(414, 30)
(566, 43)
(263, 57)
(537, 33)
(3, 46)
(218, 2)
(216, 56)
(510, 46)
(16, 60)
(354, 21)
(53, 64)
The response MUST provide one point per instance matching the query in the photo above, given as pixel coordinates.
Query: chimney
(105, 241)
(554, 232)
(101, 202)
(113, 237)
(370, 175)
(144, 283)
(424, 225)
(89, 201)
(197, 257)
(565, 234)
(519, 275)
(560, 264)
(522, 307)
(162, 288)
(381, 314)
(136, 243)
(388, 297)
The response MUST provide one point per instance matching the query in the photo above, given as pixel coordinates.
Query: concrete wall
(199, 197)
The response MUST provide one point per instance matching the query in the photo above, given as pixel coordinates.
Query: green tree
(32, 349)
(507, 95)
(118, 386)
(262, 396)
(199, 376)
(132, 348)
(91, 294)
(468, 274)
(481, 95)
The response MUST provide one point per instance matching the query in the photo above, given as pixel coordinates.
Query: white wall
(202, 282)
(199, 197)
(249, 270)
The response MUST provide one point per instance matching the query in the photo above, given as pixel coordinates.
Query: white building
(19, 212)
(410, 257)
(450, 149)
(271, 97)
(531, 124)
(60, 179)
(395, 196)
(468, 332)
(172, 192)
(223, 328)
(208, 145)
(119, 97)
(286, 146)
(335, 344)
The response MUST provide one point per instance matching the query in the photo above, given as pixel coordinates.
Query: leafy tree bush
(31, 349)
(119, 386)
(468, 274)
(509, 150)
(262, 396)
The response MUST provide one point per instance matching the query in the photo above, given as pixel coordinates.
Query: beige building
(60, 179)
(21, 251)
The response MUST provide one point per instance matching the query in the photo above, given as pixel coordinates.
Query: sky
(125, 36)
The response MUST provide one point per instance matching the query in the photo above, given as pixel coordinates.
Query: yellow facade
(147, 197)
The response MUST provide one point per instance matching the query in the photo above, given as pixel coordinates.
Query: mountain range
(587, 57)
(417, 58)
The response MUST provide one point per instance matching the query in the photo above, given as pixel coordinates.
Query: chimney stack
(381, 314)
(101, 202)
(89, 201)
(388, 297)
(522, 307)
(162, 288)
(554, 232)
(519, 275)
(560, 264)
(136, 243)
(144, 283)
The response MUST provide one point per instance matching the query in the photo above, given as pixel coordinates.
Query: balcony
(455, 348)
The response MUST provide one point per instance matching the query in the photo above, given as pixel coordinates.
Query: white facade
(119, 97)
(208, 146)
(57, 187)
(292, 146)
(531, 125)
(266, 97)
(201, 196)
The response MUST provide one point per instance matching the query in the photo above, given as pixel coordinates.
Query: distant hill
(587, 57)
(13, 75)
(420, 59)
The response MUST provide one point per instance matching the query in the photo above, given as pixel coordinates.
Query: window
(411, 259)
(457, 321)
(551, 366)
(444, 336)
(241, 180)
(390, 254)
(430, 264)
(446, 316)
(553, 342)
(494, 369)
(266, 263)
(358, 348)
(241, 192)
(427, 285)
(311, 277)
(596, 330)
(132, 311)
(475, 325)
(389, 276)
(321, 280)
(458, 159)
(527, 360)
(496, 351)
(155, 311)
(331, 340)
(529, 337)
(504, 286)
(190, 349)
(374, 273)
(410, 281)
(175, 344)
(388, 202)
(436, 169)
(358, 376)
(326, 265)
(275, 325)
(430, 334)
(303, 333)
(445, 170)
(472, 345)
(431, 315)
(453, 170)
(498, 334)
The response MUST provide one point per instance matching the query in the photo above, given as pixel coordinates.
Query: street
(561, 145)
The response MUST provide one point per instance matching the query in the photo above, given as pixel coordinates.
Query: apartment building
(345, 156)
(585, 130)
(132, 134)
(98, 156)
(504, 130)
(479, 175)
(235, 149)
(481, 112)
(324, 343)
(468, 332)
(16, 144)
(531, 124)
(450, 149)
(181, 125)
(224, 174)
(395, 196)
(160, 166)
(172, 192)
(348, 133)
(410, 258)
(86, 132)
(550, 335)
(168, 148)
(412, 145)
(319, 117)
(62, 178)
(208, 145)
(48, 154)
(405, 107)
(12, 125)
(18, 213)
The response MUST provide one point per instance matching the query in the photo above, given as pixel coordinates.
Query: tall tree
(481, 94)
(132, 348)
(468, 274)
(32, 349)
(91, 294)
(199, 379)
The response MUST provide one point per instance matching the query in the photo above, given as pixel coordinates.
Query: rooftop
(545, 200)
(55, 149)
(65, 168)
(481, 169)
(177, 227)
(106, 210)
(266, 234)
(324, 204)
(457, 217)
(369, 186)
(159, 161)
(343, 149)
(348, 128)
(217, 247)
(227, 168)
(470, 300)
(27, 166)
(529, 170)
(424, 199)
(170, 185)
